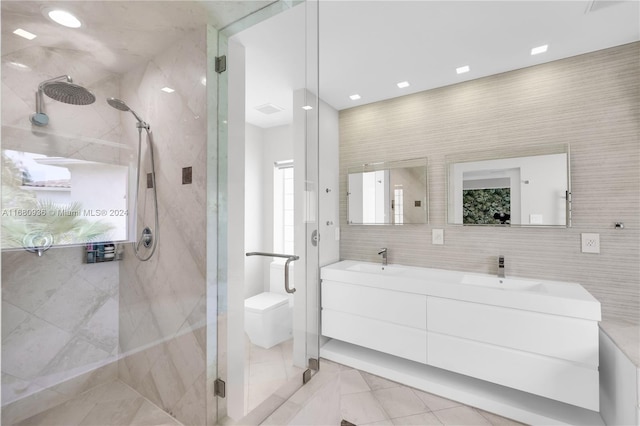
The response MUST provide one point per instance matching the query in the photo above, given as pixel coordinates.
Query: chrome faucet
(383, 252)
(500, 266)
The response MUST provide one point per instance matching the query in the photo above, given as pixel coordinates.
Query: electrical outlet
(590, 243)
(437, 236)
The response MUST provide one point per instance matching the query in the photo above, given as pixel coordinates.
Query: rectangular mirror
(506, 188)
(392, 193)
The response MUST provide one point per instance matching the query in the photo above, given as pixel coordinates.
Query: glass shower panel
(260, 373)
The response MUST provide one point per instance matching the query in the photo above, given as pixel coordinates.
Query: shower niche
(50, 200)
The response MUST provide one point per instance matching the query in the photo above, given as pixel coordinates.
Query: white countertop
(551, 297)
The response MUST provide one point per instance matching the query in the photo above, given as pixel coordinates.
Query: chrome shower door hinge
(221, 64)
(314, 364)
(306, 376)
(219, 388)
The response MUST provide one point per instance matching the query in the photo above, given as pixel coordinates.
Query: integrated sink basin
(512, 284)
(377, 268)
(530, 294)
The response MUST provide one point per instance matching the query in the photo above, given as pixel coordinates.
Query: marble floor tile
(400, 402)
(322, 401)
(434, 402)
(111, 404)
(150, 415)
(361, 408)
(380, 423)
(376, 382)
(461, 416)
(70, 413)
(283, 415)
(423, 419)
(497, 420)
(351, 381)
(323, 409)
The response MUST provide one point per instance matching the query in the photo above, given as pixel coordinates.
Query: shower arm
(39, 92)
(65, 77)
(290, 258)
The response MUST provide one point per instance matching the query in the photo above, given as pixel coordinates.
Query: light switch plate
(590, 243)
(437, 236)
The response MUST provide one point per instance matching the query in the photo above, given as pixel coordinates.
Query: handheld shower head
(122, 106)
(118, 104)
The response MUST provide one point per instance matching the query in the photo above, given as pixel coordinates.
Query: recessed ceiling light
(539, 49)
(354, 97)
(204, 81)
(65, 18)
(307, 107)
(462, 70)
(403, 84)
(167, 90)
(24, 34)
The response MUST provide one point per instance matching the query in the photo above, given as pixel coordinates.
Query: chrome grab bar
(290, 258)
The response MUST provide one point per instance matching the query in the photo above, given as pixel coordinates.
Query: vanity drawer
(566, 338)
(396, 307)
(544, 376)
(398, 340)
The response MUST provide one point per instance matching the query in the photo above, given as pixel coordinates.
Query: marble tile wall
(590, 102)
(59, 316)
(59, 328)
(162, 301)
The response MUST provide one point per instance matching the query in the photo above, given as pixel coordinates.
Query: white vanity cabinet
(388, 321)
(550, 354)
(547, 355)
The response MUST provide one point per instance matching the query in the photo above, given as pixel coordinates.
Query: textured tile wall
(162, 301)
(591, 102)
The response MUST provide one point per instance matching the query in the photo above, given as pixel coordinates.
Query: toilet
(268, 316)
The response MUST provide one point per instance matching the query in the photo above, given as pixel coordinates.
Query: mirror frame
(390, 165)
(477, 156)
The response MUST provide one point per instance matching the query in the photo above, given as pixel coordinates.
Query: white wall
(254, 210)
(278, 146)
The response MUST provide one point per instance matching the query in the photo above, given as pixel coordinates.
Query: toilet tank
(276, 277)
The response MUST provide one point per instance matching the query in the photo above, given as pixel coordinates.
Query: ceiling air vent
(595, 5)
(269, 109)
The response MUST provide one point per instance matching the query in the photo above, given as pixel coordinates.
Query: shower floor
(110, 404)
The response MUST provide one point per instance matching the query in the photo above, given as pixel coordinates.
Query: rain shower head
(60, 89)
(122, 106)
(68, 93)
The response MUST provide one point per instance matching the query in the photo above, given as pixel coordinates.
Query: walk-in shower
(147, 237)
(61, 89)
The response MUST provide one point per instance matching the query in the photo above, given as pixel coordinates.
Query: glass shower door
(257, 377)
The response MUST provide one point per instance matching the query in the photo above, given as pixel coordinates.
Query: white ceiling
(366, 47)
